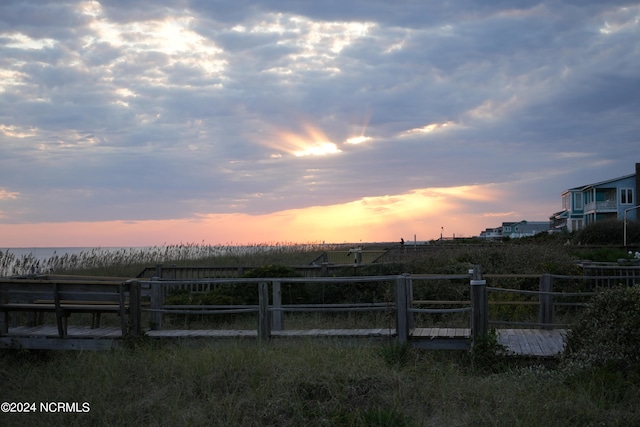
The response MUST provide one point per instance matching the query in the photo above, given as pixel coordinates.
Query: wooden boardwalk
(517, 342)
(532, 342)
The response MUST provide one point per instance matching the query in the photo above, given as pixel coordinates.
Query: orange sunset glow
(371, 219)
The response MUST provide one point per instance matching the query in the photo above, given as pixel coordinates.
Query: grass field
(308, 383)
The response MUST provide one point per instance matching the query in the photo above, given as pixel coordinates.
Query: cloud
(5, 194)
(137, 110)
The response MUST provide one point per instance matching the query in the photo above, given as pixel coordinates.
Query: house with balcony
(491, 234)
(599, 201)
(516, 230)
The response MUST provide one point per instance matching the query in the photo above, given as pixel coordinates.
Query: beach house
(599, 201)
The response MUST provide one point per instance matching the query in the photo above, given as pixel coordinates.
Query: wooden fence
(611, 274)
(271, 315)
(181, 273)
(405, 302)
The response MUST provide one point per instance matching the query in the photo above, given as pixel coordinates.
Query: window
(626, 196)
(578, 201)
(565, 202)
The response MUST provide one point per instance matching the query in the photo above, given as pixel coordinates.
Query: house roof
(596, 184)
(524, 222)
(560, 214)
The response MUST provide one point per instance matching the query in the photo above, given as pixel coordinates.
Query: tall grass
(513, 257)
(303, 383)
(505, 258)
(130, 261)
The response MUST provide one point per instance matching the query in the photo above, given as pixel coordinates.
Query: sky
(138, 122)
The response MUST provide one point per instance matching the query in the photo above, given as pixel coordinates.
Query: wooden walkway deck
(533, 342)
(517, 342)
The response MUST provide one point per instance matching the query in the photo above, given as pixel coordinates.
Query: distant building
(516, 230)
(491, 233)
(603, 200)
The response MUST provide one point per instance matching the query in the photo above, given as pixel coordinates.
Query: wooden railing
(65, 295)
(183, 274)
(404, 307)
(149, 296)
(270, 315)
(611, 274)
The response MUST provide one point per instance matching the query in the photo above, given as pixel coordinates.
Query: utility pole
(625, 224)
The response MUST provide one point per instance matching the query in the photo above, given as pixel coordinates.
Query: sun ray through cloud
(352, 122)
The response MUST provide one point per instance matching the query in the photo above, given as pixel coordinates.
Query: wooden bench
(67, 296)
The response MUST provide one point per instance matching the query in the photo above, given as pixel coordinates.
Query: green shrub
(291, 292)
(184, 297)
(608, 332)
(603, 254)
(272, 271)
(608, 232)
(487, 354)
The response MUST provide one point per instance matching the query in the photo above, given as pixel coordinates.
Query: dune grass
(131, 261)
(306, 383)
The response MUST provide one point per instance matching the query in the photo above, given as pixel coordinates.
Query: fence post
(157, 302)
(402, 331)
(158, 270)
(546, 301)
(479, 306)
(324, 268)
(135, 308)
(277, 316)
(264, 327)
(410, 314)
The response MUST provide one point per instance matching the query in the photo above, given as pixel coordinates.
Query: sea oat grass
(131, 261)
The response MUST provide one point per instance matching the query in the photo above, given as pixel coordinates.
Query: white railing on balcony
(609, 205)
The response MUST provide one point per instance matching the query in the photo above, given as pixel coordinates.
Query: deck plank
(532, 342)
(522, 342)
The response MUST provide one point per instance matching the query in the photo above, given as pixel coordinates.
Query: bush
(603, 254)
(608, 232)
(487, 354)
(608, 333)
(291, 292)
(270, 271)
